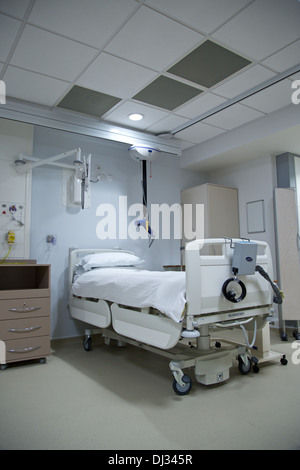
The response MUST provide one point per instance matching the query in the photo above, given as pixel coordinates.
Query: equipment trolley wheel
(283, 336)
(186, 388)
(244, 364)
(87, 343)
(296, 335)
(284, 360)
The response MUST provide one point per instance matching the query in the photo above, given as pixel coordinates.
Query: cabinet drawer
(27, 348)
(24, 328)
(24, 308)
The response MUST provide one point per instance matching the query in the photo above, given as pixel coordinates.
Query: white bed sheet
(134, 287)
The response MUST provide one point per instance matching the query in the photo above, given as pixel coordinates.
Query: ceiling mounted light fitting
(143, 152)
(135, 116)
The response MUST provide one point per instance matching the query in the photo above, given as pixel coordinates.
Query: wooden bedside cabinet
(24, 312)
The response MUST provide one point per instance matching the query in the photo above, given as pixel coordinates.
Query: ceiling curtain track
(237, 99)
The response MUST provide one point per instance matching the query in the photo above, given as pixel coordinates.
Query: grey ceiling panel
(88, 101)
(208, 64)
(167, 93)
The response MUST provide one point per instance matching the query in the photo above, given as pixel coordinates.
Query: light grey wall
(76, 228)
(255, 180)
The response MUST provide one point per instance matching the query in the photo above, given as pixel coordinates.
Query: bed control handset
(244, 263)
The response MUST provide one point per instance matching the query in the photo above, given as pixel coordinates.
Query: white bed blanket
(163, 290)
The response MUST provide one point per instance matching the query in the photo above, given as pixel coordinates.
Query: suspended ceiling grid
(169, 60)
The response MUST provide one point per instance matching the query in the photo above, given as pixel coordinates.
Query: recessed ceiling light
(135, 116)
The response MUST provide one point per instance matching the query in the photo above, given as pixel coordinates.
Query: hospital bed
(227, 284)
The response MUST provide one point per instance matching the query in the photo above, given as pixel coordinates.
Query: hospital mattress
(135, 287)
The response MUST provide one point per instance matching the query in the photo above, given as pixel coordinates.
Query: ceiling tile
(153, 40)
(202, 15)
(167, 93)
(167, 124)
(200, 105)
(263, 28)
(8, 32)
(91, 21)
(199, 132)
(209, 64)
(272, 98)
(296, 76)
(244, 81)
(184, 144)
(38, 51)
(120, 115)
(232, 117)
(88, 101)
(15, 8)
(30, 86)
(115, 76)
(284, 59)
(120, 52)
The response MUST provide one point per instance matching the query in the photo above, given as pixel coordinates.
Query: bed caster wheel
(244, 364)
(3, 366)
(284, 360)
(255, 367)
(42, 360)
(179, 390)
(87, 343)
(296, 335)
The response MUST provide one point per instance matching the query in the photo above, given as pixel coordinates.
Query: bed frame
(188, 343)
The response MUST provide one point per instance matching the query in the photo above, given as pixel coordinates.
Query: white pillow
(110, 259)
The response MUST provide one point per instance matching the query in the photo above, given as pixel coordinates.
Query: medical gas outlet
(51, 239)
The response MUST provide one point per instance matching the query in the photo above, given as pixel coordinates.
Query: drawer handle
(24, 330)
(24, 309)
(24, 350)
